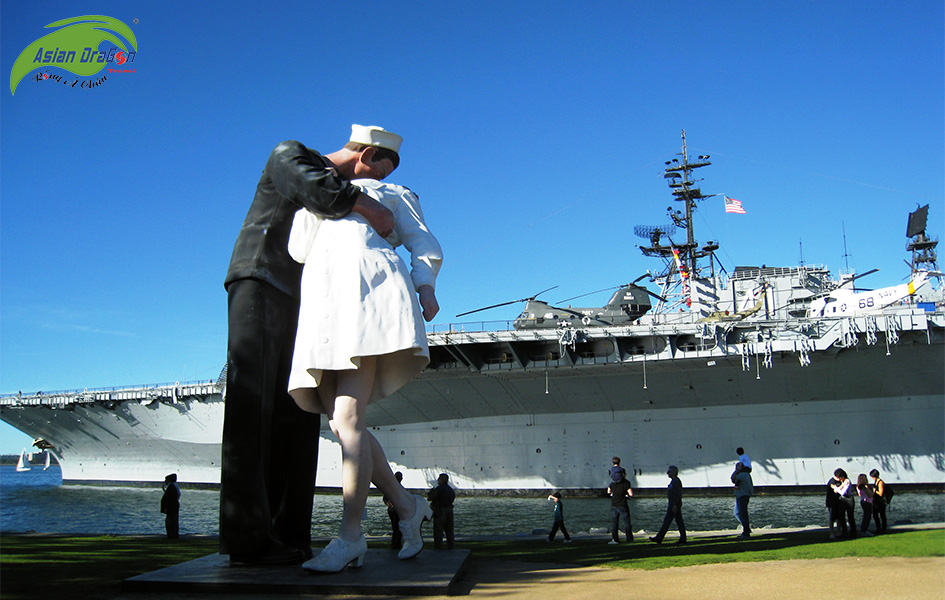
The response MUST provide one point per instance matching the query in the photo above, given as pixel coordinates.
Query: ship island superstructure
(723, 360)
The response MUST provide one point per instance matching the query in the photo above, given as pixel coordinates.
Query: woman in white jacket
(360, 338)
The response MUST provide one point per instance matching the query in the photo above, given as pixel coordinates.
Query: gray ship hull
(512, 411)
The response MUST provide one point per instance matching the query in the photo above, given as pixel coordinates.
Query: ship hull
(522, 425)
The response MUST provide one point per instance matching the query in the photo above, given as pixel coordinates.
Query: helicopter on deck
(845, 302)
(627, 304)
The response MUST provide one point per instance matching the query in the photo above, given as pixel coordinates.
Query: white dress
(357, 296)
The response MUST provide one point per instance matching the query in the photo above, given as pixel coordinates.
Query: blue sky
(535, 134)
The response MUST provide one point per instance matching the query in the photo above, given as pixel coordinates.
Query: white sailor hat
(371, 135)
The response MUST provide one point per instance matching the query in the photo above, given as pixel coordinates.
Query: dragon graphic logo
(74, 48)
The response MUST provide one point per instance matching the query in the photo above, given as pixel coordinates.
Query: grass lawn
(721, 549)
(53, 566)
(75, 567)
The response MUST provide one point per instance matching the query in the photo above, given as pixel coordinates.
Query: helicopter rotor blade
(606, 289)
(870, 272)
(469, 312)
(855, 277)
(540, 293)
(633, 284)
(657, 296)
(852, 279)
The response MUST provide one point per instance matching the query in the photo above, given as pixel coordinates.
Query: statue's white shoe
(410, 528)
(337, 555)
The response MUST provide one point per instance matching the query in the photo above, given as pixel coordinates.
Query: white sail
(46, 466)
(22, 464)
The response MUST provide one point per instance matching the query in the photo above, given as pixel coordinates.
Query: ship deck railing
(755, 272)
(143, 393)
(667, 318)
(690, 338)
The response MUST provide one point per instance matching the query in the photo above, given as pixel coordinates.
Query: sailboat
(46, 465)
(23, 464)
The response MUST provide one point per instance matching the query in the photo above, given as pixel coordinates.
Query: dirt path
(817, 579)
(905, 578)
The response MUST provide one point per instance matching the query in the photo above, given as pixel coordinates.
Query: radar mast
(682, 280)
(922, 247)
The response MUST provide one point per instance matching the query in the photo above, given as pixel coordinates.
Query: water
(37, 501)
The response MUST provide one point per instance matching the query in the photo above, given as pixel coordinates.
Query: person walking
(744, 488)
(619, 491)
(558, 523)
(265, 500)
(441, 500)
(673, 507)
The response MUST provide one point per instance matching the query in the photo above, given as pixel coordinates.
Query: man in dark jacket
(673, 507)
(270, 446)
(441, 501)
(170, 506)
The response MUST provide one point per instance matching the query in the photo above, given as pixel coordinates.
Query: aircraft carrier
(791, 363)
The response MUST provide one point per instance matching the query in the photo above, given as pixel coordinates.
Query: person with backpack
(882, 493)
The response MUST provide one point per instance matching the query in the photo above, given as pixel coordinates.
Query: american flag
(733, 206)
